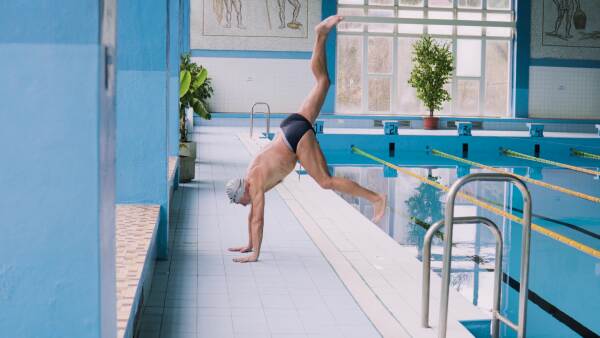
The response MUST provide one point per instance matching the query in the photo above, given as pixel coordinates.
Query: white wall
(239, 82)
(560, 92)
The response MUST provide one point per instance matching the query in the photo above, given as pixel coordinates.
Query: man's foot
(379, 208)
(326, 25)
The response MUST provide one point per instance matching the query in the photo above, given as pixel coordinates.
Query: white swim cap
(235, 189)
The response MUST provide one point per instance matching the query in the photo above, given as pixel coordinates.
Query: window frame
(453, 38)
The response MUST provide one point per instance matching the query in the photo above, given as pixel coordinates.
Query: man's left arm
(256, 227)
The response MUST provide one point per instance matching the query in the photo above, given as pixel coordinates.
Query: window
(374, 52)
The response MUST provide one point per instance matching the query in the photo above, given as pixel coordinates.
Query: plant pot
(187, 161)
(430, 123)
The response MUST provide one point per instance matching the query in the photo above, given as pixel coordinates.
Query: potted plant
(194, 90)
(432, 69)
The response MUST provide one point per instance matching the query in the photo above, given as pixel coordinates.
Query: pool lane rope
(522, 156)
(524, 178)
(535, 227)
(585, 154)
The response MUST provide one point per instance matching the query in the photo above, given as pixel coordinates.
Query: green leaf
(201, 78)
(200, 109)
(185, 77)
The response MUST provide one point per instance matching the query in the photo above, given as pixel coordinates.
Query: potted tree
(194, 90)
(432, 69)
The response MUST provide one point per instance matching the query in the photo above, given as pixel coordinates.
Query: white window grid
(426, 21)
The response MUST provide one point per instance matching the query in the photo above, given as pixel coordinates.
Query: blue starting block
(535, 129)
(598, 127)
(389, 172)
(390, 127)
(464, 128)
(319, 126)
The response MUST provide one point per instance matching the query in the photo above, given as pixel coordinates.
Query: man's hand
(242, 249)
(246, 259)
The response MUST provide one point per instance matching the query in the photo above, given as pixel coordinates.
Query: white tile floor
(199, 292)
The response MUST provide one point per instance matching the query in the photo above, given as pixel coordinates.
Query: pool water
(564, 299)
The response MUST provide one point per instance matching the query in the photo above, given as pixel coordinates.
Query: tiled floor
(199, 292)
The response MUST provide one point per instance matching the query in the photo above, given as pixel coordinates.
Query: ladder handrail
(525, 245)
(426, 280)
(268, 117)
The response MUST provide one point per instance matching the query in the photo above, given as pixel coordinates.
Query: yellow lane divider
(585, 154)
(524, 178)
(522, 156)
(535, 227)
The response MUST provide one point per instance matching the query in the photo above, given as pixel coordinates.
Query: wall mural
(254, 24)
(566, 29)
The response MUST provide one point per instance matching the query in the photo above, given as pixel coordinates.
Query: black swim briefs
(294, 127)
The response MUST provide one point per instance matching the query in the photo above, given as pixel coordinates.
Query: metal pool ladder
(449, 221)
(268, 117)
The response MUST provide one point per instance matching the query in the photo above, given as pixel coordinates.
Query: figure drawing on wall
(569, 15)
(293, 24)
(224, 10)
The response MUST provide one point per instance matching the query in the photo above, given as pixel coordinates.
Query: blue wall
(142, 111)
(174, 52)
(57, 274)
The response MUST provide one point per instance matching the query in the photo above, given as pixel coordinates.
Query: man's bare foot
(326, 25)
(379, 208)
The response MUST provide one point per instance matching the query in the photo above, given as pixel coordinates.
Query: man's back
(271, 165)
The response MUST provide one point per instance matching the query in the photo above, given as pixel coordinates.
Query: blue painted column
(174, 53)
(142, 96)
(57, 242)
(329, 8)
(522, 52)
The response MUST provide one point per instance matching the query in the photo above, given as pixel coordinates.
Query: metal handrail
(427, 266)
(526, 235)
(268, 117)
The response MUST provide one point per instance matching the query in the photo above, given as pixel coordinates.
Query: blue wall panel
(174, 54)
(142, 112)
(57, 230)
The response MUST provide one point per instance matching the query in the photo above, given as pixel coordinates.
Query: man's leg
(311, 107)
(311, 157)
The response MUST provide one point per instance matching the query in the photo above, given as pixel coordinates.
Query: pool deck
(293, 291)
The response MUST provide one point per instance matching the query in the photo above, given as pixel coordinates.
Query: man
(297, 142)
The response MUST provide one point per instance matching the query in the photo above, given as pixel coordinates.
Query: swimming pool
(564, 282)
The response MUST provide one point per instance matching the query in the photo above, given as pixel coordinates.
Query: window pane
(496, 77)
(468, 58)
(467, 98)
(349, 74)
(381, 27)
(469, 30)
(407, 28)
(382, 2)
(498, 31)
(440, 3)
(411, 2)
(379, 94)
(408, 104)
(498, 4)
(351, 26)
(439, 29)
(351, 2)
(469, 3)
(380, 55)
